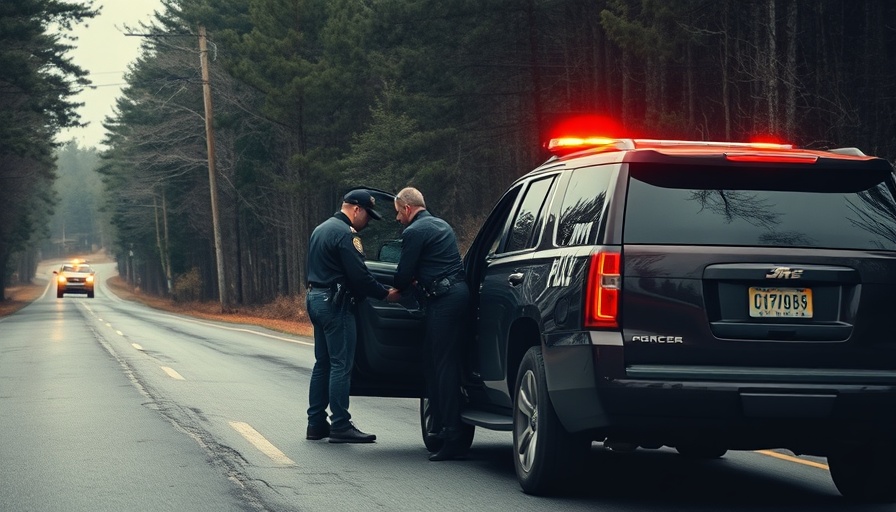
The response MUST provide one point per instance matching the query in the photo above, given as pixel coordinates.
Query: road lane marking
(138, 347)
(119, 333)
(238, 329)
(47, 288)
(172, 373)
(263, 445)
(793, 459)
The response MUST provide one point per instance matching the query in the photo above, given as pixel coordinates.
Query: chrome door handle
(515, 278)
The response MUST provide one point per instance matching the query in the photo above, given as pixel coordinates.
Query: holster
(441, 286)
(340, 293)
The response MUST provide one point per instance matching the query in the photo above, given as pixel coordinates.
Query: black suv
(699, 295)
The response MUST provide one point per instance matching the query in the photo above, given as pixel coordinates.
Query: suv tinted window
(759, 207)
(494, 231)
(583, 206)
(523, 234)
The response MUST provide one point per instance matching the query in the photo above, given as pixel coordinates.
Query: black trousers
(447, 323)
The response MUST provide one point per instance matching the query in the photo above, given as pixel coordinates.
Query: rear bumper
(744, 408)
(731, 403)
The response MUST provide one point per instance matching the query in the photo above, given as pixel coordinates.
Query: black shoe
(450, 450)
(351, 435)
(315, 433)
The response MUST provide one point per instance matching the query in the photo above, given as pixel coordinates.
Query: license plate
(780, 302)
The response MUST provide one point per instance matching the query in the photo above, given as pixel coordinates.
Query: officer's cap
(364, 199)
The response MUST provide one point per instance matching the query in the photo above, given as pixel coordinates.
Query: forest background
(455, 97)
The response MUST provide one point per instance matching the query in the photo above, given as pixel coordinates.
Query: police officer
(431, 259)
(337, 278)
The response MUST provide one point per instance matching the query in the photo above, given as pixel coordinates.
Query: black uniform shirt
(428, 252)
(333, 258)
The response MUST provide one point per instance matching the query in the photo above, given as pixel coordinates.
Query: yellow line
(794, 459)
(172, 373)
(261, 443)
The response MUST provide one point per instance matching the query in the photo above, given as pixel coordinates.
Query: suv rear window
(739, 206)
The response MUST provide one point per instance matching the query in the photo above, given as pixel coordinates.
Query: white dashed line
(172, 373)
(261, 443)
(138, 347)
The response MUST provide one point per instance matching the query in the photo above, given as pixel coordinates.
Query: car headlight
(89, 279)
(62, 280)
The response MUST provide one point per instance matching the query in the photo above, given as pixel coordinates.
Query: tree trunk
(770, 73)
(791, 83)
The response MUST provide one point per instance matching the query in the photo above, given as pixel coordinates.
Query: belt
(441, 286)
(456, 278)
(313, 285)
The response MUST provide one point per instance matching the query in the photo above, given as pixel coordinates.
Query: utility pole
(212, 181)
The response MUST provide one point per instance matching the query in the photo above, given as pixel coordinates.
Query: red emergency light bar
(564, 145)
(758, 152)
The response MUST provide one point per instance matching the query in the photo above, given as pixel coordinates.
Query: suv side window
(523, 232)
(583, 206)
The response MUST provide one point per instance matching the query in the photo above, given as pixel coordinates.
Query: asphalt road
(109, 405)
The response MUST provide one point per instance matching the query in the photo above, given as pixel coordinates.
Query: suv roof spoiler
(848, 151)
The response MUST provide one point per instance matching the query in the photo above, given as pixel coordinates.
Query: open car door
(390, 335)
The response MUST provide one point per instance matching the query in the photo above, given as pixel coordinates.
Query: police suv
(706, 296)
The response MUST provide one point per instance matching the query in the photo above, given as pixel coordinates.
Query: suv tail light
(602, 290)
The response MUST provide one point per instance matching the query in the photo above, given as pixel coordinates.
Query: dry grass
(285, 315)
(17, 297)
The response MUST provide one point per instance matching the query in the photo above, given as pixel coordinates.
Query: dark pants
(335, 338)
(446, 324)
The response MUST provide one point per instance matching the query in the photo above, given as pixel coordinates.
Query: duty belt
(442, 285)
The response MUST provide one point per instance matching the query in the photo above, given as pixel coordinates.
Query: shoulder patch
(356, 241)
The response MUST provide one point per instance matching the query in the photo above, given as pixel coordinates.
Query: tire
(90, 294)
(701, 452)
(866, 473)
(59, 293)
(433, 443)
(545, 454)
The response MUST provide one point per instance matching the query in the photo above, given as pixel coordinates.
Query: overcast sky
(105, 52)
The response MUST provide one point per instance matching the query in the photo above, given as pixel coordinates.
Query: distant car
(75, 277)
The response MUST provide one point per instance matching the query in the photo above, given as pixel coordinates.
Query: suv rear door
(787, 267)
(390, 335)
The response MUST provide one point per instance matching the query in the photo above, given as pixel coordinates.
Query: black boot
(452, 448)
